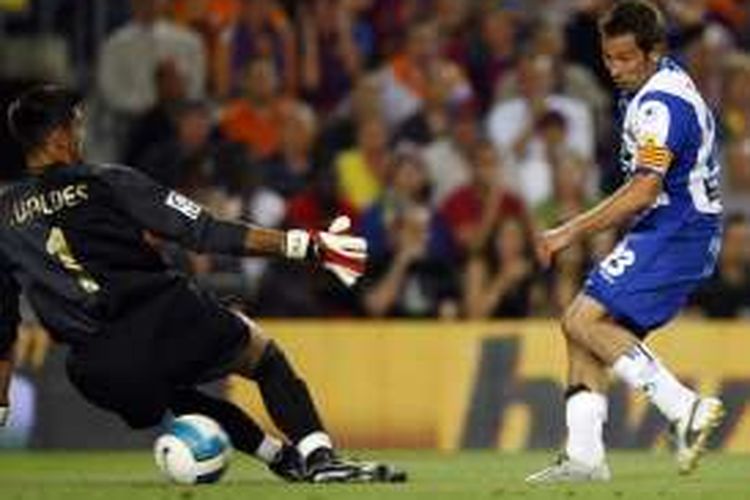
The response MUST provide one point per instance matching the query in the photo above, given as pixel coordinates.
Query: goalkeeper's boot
(567, 470)
(326, 467)
(288, 465)
(691, 433)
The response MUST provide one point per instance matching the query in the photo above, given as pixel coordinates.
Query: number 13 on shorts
(617, 262)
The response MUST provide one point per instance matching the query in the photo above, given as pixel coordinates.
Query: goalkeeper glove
(342, 254)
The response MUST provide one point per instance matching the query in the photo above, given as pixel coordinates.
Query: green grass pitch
(434, 476)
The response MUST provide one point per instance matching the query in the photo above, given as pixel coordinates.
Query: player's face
(628, 65)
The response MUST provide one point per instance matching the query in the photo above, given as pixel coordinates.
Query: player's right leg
(244, 433)
(691, 432)
(693, 417)
(290, 405)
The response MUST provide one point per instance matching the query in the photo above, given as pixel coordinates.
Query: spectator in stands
(409, 187)
(157, 125)
(190, 151)
(475, 210)
(570, 191)
(735, 15)
(448, 156)
(571, 79)
(429, 123)
(392, 19)
(289, 171)
(262, 31)
(493, 53)
(727, 293)
(332, 57)
(363, 171)
(256, 120)
(432, 119)
(212, 20)
(452, 18)
(405, 79)
(339, 133)
(319, 203)
(736, 176)
(198, 158)
(130, 56)
(582, 37)
(499, 281)
(527, 145)
(411, 271)
(703, 58)
(735, 101)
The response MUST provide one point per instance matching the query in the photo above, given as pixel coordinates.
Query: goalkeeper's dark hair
(38, 111)
(639, 18)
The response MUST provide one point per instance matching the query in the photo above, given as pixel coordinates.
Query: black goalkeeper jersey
(72, 239)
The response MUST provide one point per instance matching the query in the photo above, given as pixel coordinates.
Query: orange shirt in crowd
(410, 75)
(259, 129)
(220, 13)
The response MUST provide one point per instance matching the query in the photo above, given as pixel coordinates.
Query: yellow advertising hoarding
(14, 5)
(488, 385)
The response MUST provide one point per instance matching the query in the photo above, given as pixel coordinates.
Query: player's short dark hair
(39, 110)
(639, 18)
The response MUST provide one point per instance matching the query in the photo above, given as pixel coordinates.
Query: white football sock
(641, 370)
(585, 414)
(312, 442)
(268, 449)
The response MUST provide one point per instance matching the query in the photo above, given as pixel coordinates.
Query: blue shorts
(647, 278)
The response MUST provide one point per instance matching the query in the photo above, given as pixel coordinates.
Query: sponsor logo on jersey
(184, 205)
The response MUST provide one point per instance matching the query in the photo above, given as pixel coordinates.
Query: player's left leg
(589, 325)
(583, 458)
(585, 407)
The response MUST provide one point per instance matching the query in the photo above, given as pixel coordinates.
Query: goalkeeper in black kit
(73, 239)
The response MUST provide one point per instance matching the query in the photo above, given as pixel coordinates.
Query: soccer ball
(195, 449)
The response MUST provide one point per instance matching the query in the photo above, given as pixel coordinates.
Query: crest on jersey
(184, 205)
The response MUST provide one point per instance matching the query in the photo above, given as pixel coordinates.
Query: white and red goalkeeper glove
(342, 254)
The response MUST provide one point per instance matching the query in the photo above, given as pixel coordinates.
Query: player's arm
(9, 319)
(639, 193)
(173, 216)
(655, 143)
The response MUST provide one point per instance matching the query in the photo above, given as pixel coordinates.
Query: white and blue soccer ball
(194, 449)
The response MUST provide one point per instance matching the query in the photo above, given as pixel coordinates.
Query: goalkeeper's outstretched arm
(173, 216)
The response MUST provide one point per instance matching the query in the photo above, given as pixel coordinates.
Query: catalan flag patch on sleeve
(653, 156)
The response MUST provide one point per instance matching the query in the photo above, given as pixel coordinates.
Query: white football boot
(567, 470)
(691, 433)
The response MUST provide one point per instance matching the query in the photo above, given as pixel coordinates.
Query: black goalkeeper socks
(286, 396)
(245, 435)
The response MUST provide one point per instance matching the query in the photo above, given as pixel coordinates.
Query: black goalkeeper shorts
(178, 338)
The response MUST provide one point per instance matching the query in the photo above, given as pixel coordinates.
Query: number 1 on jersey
(58, 247)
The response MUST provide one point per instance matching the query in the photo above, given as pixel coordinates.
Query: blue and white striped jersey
(668, 129)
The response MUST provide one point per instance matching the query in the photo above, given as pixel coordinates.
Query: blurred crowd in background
(448, 130)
